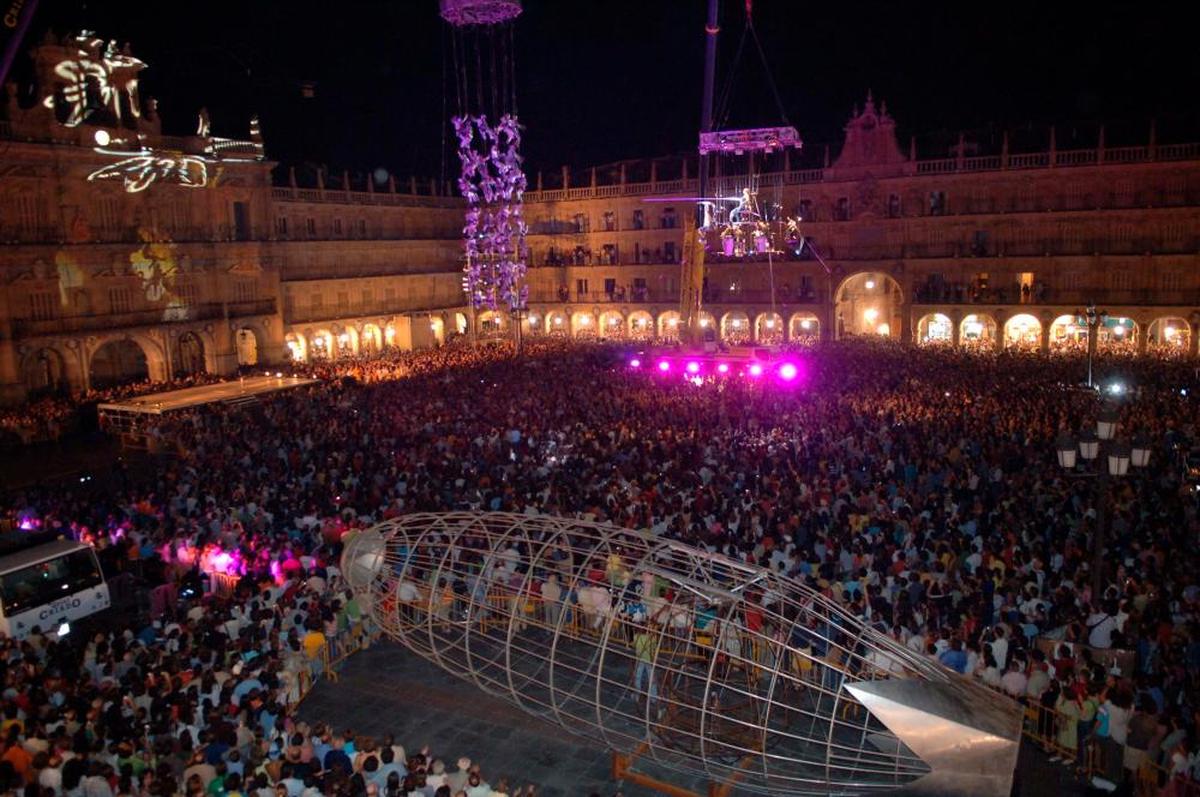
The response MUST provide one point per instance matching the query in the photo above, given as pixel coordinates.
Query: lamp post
(1094, 320)
(1115, 462)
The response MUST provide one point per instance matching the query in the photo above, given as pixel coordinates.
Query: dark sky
(604, 81)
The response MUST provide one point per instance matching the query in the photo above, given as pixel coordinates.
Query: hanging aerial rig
(489, 143)
(740, 213)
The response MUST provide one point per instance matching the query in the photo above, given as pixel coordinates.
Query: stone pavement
(386, 689)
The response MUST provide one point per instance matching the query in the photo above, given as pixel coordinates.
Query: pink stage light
(755, 370)
(693, 367)
(664, 366)
(723, 368)
(788, 372)
(635, 363)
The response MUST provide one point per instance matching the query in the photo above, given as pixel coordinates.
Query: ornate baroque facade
(127, 252)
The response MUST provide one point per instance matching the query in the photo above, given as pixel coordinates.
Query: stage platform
(125, 419)
(219, 392)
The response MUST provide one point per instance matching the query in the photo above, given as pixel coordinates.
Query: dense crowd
(918, 488)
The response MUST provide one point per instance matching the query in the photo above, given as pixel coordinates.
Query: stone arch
(935, 329)
(708, 324)
(437, 326)
(869, 303)
(491, 323)
(612, 325)
(460, 323)
(804, 328)
(583, 324)
(187, 354)
(297, 347)
(1118, 334)
(735, 327)
(1068, 333)
(321, 345)
(44, 372)
(370, 340)
(389, 334)
(557, 324)
(768, 328)
(347, 342)
(668, 325)
(977, 331)
(246, 345)
(1169, 336)
(1023, 331)
(118, 361)
(641, 325)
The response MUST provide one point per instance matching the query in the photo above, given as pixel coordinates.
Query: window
(1171, 280)
(310, 226)
(669, 252)
(29, 213)
(639, 220)
(610, 286)
(188, 291)
(281, 228)
(581, 287)
(581, 222)
(389, 296)
(343, 301)
(1121, 280)
(841, 211)
(367, 298)
(362, 228)
(120, 300)
(979, 243)
(669, 220)
(639, 289)
(608, 255)
(316, 301)
(241, 221)
(610, 221)
(937, 203)
(337, 226)
(110, 214)
(893, 207)
(806, 287)
(246, 290)
(42, 306)
(805, 210)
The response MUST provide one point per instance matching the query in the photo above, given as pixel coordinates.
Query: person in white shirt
(1000, 647)
(1100, 626)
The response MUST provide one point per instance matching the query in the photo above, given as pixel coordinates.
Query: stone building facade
(128, 253)
(1002, 249)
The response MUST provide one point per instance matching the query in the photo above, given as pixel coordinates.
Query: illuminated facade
(125, 252)
(128, 253)
(976, 249)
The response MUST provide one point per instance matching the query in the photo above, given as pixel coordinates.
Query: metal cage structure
(710, 667)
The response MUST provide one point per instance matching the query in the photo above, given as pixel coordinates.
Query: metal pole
(711, 29)
(1091, 350)
(1098, 538)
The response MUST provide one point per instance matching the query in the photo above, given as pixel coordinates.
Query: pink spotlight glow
(755, 370)
(723, 368)
(664, 366)
(787, 372)
(693, 367)
(635, 363)
(223, 563)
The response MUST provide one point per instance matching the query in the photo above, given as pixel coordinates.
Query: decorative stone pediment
(870, 143)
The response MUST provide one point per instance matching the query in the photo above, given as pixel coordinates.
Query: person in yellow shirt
(313, 642)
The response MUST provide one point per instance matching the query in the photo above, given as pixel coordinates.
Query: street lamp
(1118, 456)
(1094, 319)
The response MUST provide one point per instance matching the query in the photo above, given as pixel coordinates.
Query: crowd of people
(918, 488)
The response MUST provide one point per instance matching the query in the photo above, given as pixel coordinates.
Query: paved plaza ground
(386, 689)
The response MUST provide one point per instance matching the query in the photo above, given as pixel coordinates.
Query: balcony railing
(1032, 160)
(98, 322)
(342, 197)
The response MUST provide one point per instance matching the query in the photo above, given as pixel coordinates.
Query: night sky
(600, 82)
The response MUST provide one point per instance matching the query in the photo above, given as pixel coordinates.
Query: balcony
(103, 322)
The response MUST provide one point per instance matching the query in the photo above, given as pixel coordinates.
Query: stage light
(787, 372)
(870, 285)
(755, 370)
(870, 314)
(102, 138)
(723, 368)
(693, 367)
(635, 363)
(664, 366)
(806, 324)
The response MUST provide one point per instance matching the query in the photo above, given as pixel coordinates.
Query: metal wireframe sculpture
(489, 146)
(709, 666)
